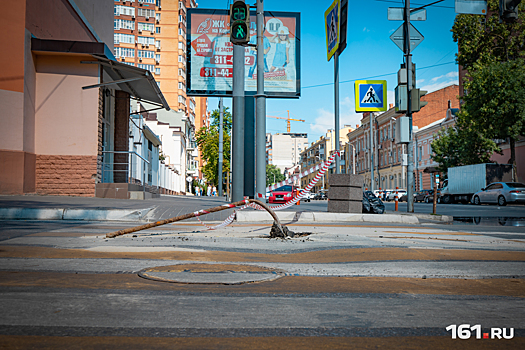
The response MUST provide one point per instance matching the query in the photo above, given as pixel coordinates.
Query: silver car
(500, 193)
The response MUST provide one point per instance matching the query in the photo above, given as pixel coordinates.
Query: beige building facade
(65, 114)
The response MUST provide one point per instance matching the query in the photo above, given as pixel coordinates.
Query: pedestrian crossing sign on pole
(370, 96)
(332, 18)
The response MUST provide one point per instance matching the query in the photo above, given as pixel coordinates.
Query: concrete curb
(73, 214)
(437, 217)
(307, 217)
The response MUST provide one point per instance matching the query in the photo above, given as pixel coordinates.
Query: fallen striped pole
(197, 214)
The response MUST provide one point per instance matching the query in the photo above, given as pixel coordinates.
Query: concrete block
(345, 193)
(346, 180)
(344, 206)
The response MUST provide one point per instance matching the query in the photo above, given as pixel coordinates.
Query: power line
(375, 76)
(397, 2)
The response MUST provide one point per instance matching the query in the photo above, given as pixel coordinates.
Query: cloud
(366, 30)
(441, 81)
(449, 75)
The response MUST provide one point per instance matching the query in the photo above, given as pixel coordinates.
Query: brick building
(386, 155)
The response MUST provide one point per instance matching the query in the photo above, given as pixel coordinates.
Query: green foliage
(462, 145)
(495, 102)
(485, 40)
(272, 170)
(208, 142)
(226, 122)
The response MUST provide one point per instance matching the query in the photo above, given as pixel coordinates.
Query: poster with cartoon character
(210, 54)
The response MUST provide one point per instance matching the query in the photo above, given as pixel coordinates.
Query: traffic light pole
(237, 158)
(221, 119)
(408, 65)
(260, 119)
(336, 94)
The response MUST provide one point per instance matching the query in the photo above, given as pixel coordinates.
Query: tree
(483, 39)
(493, 52)
(208, 142)
(495, 103)
(271, 171)
(461, 145)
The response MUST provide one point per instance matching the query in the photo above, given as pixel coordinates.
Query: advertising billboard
(210, 54)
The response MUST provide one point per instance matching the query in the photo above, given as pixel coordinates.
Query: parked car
(400, 193)
(282, 194)
(321, 195)
(372, 204)
(500, 193)
(308, 197)
(429, 198)
(420, 195)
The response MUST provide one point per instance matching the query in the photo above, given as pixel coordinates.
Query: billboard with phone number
(210, 54)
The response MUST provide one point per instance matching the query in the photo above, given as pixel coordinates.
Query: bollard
(396, 197)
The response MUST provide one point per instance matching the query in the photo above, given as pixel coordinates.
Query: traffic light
(508, 10)
(239, 23)
(416, 95)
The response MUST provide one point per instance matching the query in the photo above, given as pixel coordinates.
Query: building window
(157, 57)
(146, 40)
(157, 30)
(182, 100)
(145, 54)
(124, 52)
(123, 38)
(124, 10)
(157, 44)
(145, 13)
(182, 86)
(149, 67)
(182, 32)
(123, 24)
(157, 17)
(157, 70)
(149, 27)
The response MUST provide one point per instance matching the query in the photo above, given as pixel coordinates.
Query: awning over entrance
(138, 82)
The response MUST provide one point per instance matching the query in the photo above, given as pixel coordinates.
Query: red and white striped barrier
(322, 169)
(303, 174)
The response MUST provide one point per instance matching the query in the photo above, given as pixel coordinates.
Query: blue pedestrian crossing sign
(332, 18)
(370, 96)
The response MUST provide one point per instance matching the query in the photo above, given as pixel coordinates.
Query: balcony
(192, 145)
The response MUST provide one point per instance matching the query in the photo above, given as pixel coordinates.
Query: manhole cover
(211, 274)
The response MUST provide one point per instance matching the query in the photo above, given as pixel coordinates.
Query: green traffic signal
(239, 31)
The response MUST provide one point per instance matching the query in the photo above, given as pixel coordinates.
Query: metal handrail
(129, 168)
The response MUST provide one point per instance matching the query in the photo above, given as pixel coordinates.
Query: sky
(370, 55)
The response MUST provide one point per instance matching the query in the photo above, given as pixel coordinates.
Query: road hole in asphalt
(211, 274)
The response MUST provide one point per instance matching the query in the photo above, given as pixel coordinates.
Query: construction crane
(287, 120)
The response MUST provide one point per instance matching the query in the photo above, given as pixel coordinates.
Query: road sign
(370, 96)
(415, 37)
(398, 14)
(471, 7)
(332, 18)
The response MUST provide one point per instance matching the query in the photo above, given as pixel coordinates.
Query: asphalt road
(64, 285)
